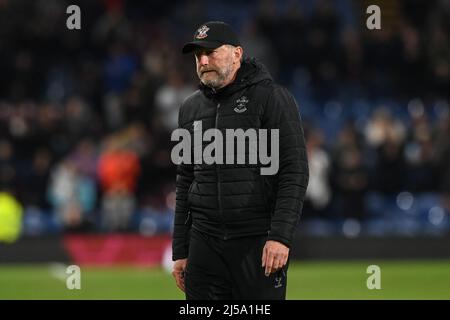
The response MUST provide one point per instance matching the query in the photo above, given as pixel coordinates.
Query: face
(216, 67)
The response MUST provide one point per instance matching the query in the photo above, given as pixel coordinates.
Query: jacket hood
(251, 72)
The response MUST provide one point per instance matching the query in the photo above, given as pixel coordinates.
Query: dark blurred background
(86, 115)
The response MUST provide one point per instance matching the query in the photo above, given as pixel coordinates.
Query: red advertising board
(116, 249)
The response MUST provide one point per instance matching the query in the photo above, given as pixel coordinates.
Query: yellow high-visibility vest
(10, 218)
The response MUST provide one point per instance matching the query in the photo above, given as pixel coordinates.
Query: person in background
(118, 171)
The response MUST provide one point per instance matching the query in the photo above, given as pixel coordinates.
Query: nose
(203, 59)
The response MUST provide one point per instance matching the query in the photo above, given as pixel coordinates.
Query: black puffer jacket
(235, 200)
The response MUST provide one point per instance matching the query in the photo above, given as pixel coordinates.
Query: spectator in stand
(73, 196)
(318, 194)
(350, 177)
(169, 97)
(118, 171)
(439, 58)
(419, 150)
(7, 168)
(37, 179)
(442, 159)
(386, 135)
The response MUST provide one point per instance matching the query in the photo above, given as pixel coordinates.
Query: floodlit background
(86, 117)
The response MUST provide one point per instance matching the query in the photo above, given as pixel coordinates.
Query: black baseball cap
(212, 35)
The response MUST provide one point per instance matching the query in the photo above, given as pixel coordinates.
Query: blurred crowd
(86, 115)
(387, 156)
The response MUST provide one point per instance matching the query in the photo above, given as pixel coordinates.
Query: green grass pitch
(306, 280)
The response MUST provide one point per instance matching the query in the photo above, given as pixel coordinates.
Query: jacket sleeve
(282, 113)
(182, 221)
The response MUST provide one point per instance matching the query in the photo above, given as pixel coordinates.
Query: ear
(238, 52)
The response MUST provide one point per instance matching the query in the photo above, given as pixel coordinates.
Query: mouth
(207, 71)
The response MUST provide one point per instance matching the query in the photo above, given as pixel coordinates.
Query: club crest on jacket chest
(241, 104)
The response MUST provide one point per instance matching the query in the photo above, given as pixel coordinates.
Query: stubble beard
(221, 77)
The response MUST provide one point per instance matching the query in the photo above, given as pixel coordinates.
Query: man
(233, 226)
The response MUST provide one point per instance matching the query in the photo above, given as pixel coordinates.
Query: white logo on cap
(202, 32)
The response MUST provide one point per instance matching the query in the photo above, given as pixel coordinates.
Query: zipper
(225, 232)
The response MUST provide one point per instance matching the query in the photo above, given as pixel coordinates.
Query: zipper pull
(187, 218)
